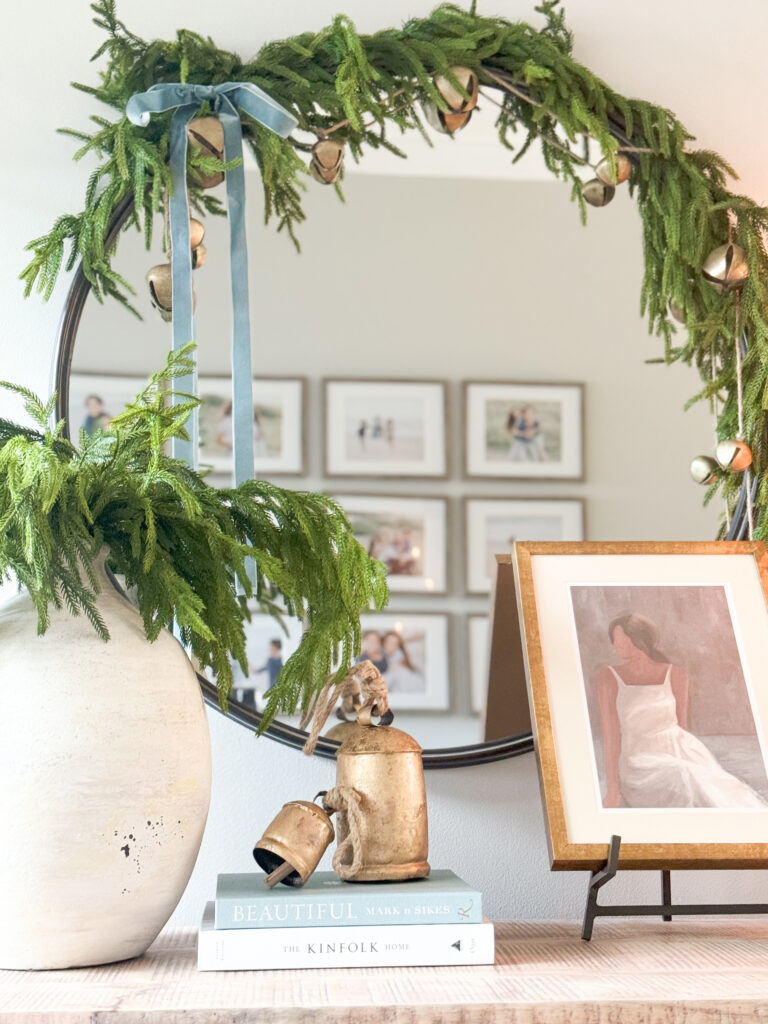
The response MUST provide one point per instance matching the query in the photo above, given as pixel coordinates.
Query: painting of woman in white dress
(672, 723)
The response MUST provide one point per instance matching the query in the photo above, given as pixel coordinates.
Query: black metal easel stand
(665, 909)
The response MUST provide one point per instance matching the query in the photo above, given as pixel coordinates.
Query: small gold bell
(623, 170)
(199, 256)
(196, 232)
(734, 455)
(459, 108)
(704, 470)
(327, 161)
(160, 281)
(292, 845)
(207, 135)
(676, 311)
(597, 193)
(726, 268)
(161, 289)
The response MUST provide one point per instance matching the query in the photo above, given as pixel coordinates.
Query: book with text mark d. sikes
(244, 901)
(409, 945)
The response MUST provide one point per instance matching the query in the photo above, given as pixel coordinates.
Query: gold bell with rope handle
(380, 796)
(293, 843)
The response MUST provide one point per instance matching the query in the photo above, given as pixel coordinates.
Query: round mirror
(550, 424)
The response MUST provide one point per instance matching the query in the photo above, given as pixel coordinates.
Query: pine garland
(180, 544)
(376, 83)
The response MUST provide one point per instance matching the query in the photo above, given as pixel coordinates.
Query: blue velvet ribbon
(225, 101)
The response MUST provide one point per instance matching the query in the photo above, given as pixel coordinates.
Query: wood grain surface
(633, 972)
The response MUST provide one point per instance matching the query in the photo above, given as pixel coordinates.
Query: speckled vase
(105, 777)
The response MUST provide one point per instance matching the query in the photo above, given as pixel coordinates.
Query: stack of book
(426, 922)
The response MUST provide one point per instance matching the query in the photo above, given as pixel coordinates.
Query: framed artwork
(478, 648)
(649, 699)
(411, 652)
(493, 525)
(524, 431)
(268, 648)
(385, 428)
(410, 535)
(94, 398)
(278, 425)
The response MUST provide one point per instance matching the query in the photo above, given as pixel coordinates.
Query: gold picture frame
(553, 582)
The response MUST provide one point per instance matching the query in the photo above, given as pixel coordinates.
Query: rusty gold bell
(161, 289)
(292, 845)
(726, 268)
(605, 173)
(597, 193)
(459, 107)
(327, 161)
(734, 455)
(196, 232)
(381, 800)
(207, 135)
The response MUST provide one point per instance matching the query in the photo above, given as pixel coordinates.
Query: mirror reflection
(463, 364)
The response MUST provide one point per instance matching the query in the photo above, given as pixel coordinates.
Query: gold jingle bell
(207, 135)
(381, 800)
(196, 233)
(597, 193)
(160, 281)
(292, 845)
(199, 256)
(606, 174)
(459, 107)
(161, 289)
(726, 268)
(327, 161)
(734, 455)
(676, 311)
(704, 470)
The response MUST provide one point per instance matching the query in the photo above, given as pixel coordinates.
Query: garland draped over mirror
(358, 88)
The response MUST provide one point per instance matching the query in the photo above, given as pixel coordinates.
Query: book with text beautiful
(244, 901)
(390, 945)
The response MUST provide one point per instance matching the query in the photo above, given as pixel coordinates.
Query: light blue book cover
(244, 901)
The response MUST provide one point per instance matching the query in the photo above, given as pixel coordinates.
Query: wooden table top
(633, 972)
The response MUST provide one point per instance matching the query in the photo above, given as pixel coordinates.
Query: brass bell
(597, 193)
(380, 771)
(207, 135)
(160, 281)
(459, 108)
(726, 268)
(704, 470)
(196, 233)
(199, 256)
(623, 170)
(161, 289)
(327, 161)
(734, 455)
(292, 845)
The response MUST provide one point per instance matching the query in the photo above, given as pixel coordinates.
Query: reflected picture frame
(709, 600)
(279, 434)
(112, 390)
(523, 430)
(493, 524)
(409, 533)
(385, 428)
(423, 682)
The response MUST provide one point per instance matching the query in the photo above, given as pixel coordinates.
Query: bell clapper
(276, 876)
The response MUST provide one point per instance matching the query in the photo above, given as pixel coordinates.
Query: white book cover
(405, 945)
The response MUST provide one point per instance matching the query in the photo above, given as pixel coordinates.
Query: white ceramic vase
(105, 777)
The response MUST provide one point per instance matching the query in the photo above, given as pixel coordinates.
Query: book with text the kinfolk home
(244, 901)
(388, 945)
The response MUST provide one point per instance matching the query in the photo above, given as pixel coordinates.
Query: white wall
(683, 55)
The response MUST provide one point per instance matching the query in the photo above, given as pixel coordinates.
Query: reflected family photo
(670, 713)
(411, 652)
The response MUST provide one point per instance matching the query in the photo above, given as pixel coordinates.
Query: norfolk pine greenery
(180, 545)
(375, 83)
